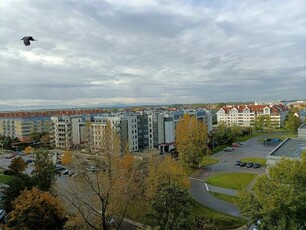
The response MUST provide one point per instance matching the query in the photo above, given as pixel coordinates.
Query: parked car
(91, 168)
(29, 161)
(59, 168)
(240, 143)
(242, 164)
(235, 145)
(228, 149)
(237, 163)
(249, 165)
(66, 171)
(10, 156)
(256, 165)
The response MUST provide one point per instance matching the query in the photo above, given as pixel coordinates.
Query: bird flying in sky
(27, 39)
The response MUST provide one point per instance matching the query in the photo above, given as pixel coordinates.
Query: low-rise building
(290, 148)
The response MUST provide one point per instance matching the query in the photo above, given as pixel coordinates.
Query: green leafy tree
(7, 143)
(236, 132)
(292, 122)
(191, 140)
(278, 199)
(43, 173)
(15, 186)
(263, 123)
(35, 209)
(18, 165)
(171, 209)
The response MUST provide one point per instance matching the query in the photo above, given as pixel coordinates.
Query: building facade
(24, 127)
(245, 115)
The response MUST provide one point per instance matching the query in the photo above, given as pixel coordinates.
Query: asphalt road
(198, 190)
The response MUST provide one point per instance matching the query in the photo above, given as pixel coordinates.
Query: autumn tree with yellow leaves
(35, 209)
(163, 171)
(28, 150)
(67, 158)
(191, 140)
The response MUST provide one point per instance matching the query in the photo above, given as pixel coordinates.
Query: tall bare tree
(102, 191)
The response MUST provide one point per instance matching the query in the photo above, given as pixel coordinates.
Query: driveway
(198, 190)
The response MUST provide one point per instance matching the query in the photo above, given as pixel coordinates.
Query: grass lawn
(262, 161)
(245, 138)
(4, 178)
(188, 168)
(208, 161)
(218, 149)
(222, 221)
(228, 198)
(231, 180)
(281, 136)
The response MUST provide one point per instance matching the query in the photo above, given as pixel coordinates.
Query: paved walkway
(227, 191)
(199, 193)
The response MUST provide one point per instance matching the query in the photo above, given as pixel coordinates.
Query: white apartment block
(245, 115)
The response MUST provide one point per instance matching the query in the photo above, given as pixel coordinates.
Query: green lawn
(4, 178)
(281, 136)
(262, 161)
(221, 221)
(228, 198)
(218, 149)
(231, 180)
(208, 161)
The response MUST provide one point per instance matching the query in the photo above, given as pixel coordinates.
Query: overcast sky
(91, 52)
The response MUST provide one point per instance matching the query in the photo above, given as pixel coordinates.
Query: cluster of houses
(139, 130)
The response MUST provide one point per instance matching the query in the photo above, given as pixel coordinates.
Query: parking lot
(250, 149)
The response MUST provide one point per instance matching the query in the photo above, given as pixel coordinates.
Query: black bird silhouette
(27, 39)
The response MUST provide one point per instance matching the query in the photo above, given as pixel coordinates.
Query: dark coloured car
(249, 165)
(256, 165)
(242, 164)
(237, 163)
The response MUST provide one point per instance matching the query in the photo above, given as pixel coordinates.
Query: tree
(28, 150)
(191, 140)
(279, 197)
(43, 173)
(263, 122)
(292, 122)
(35, 209)
(107, 191)
(162, 172)
(15, 186)
(67, 158)
(18, 165)
(171, 209)
(236, 131)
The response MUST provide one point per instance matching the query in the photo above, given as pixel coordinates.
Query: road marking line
(206, 187)
(193, 178)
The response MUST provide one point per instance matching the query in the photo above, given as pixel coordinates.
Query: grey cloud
(210, 51)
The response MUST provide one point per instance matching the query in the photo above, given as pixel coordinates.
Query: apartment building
(156, 129)
(23, 127)
(245, 115)
(125, 127)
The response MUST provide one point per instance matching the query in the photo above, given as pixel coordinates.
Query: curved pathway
(198, 190)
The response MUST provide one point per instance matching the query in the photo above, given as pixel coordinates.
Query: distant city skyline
(111, 52)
